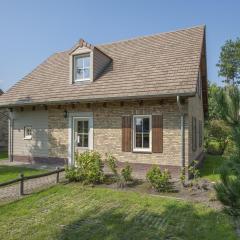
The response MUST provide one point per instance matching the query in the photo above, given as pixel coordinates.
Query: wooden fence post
(21, 187)
(57, 179)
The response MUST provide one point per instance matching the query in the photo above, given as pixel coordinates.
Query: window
(200, 133)
(28, 132)
(81, 67)
(83, 133)
(142, 133)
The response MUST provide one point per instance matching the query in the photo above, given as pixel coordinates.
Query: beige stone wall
(108, 130)
(38, 120)
(3, 129)
(51, 130)
(195, 109)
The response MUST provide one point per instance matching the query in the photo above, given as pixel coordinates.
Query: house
(3, 127)
(143, 100)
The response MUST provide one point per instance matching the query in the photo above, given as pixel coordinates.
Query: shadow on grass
(177, 221)
(210, 168)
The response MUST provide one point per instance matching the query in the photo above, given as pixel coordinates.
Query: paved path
(29, 165)
(11, 192)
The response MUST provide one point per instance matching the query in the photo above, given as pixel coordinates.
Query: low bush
(126, 174)
(112, 163)
(160, 180)
(88, 168)
(215, 147)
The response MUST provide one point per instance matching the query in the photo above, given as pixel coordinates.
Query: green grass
(3, 155)
(12, 172)
(74, 212)
(210, 169)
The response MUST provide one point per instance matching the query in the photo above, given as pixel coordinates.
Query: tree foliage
(229, 62)
(216, 101)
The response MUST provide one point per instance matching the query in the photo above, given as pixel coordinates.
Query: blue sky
(31, 30)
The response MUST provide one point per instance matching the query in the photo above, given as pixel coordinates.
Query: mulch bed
(203, 192)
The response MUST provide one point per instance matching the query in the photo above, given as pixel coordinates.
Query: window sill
(27, 138)
(142, 150)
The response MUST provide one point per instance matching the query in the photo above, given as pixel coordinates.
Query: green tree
(232, 102)
(229, 62)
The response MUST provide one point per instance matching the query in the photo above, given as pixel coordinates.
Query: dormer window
(81, 67)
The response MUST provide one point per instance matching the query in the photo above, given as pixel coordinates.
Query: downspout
(182, 130)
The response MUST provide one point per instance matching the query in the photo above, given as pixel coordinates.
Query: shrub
(71, 173)
(160, 180)
(217, 135)
(194, 171)
(228, 190)
(182, 176)
(215, 147)
(88, 168)
(126, 174)
(112, 163)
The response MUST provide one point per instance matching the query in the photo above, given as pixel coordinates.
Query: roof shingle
(151, 66)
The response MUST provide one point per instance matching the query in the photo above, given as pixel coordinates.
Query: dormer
(87, 62)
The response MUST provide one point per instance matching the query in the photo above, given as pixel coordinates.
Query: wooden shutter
(157, 133)
(126, 133)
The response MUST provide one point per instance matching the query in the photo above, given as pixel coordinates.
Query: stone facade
(107, 131)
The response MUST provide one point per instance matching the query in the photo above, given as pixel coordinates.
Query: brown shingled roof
(152, 66)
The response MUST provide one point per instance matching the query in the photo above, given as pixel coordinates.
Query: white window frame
(85, 119)
(74, 57)
(135, 149)
(26, 135)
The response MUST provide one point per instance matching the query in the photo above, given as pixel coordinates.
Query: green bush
(215, 147)
(228, 190)
(160, 180)
(217, 135)
(112, 163)
(126, 174)
(88, 168)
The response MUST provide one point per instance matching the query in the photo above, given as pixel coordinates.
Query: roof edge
(147, 97)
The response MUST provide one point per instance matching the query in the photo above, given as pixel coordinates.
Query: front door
(82, 135)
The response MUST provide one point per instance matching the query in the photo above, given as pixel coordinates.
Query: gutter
(182, 157)
(93, 100)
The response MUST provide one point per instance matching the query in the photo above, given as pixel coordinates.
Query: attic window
(81, 67)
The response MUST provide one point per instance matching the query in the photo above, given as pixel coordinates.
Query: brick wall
(108, 130)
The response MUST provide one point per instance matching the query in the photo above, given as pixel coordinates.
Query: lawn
(12, 172)
(210, 169)
(3, 155)
(74, 212)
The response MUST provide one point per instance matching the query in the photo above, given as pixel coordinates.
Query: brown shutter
(126, 133)
(157, 133)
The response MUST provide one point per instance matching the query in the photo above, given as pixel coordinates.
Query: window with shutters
(142, 133)
(194, 134)
(200, 133)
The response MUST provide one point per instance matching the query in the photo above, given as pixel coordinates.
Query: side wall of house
(25, 149)
(195, 110)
